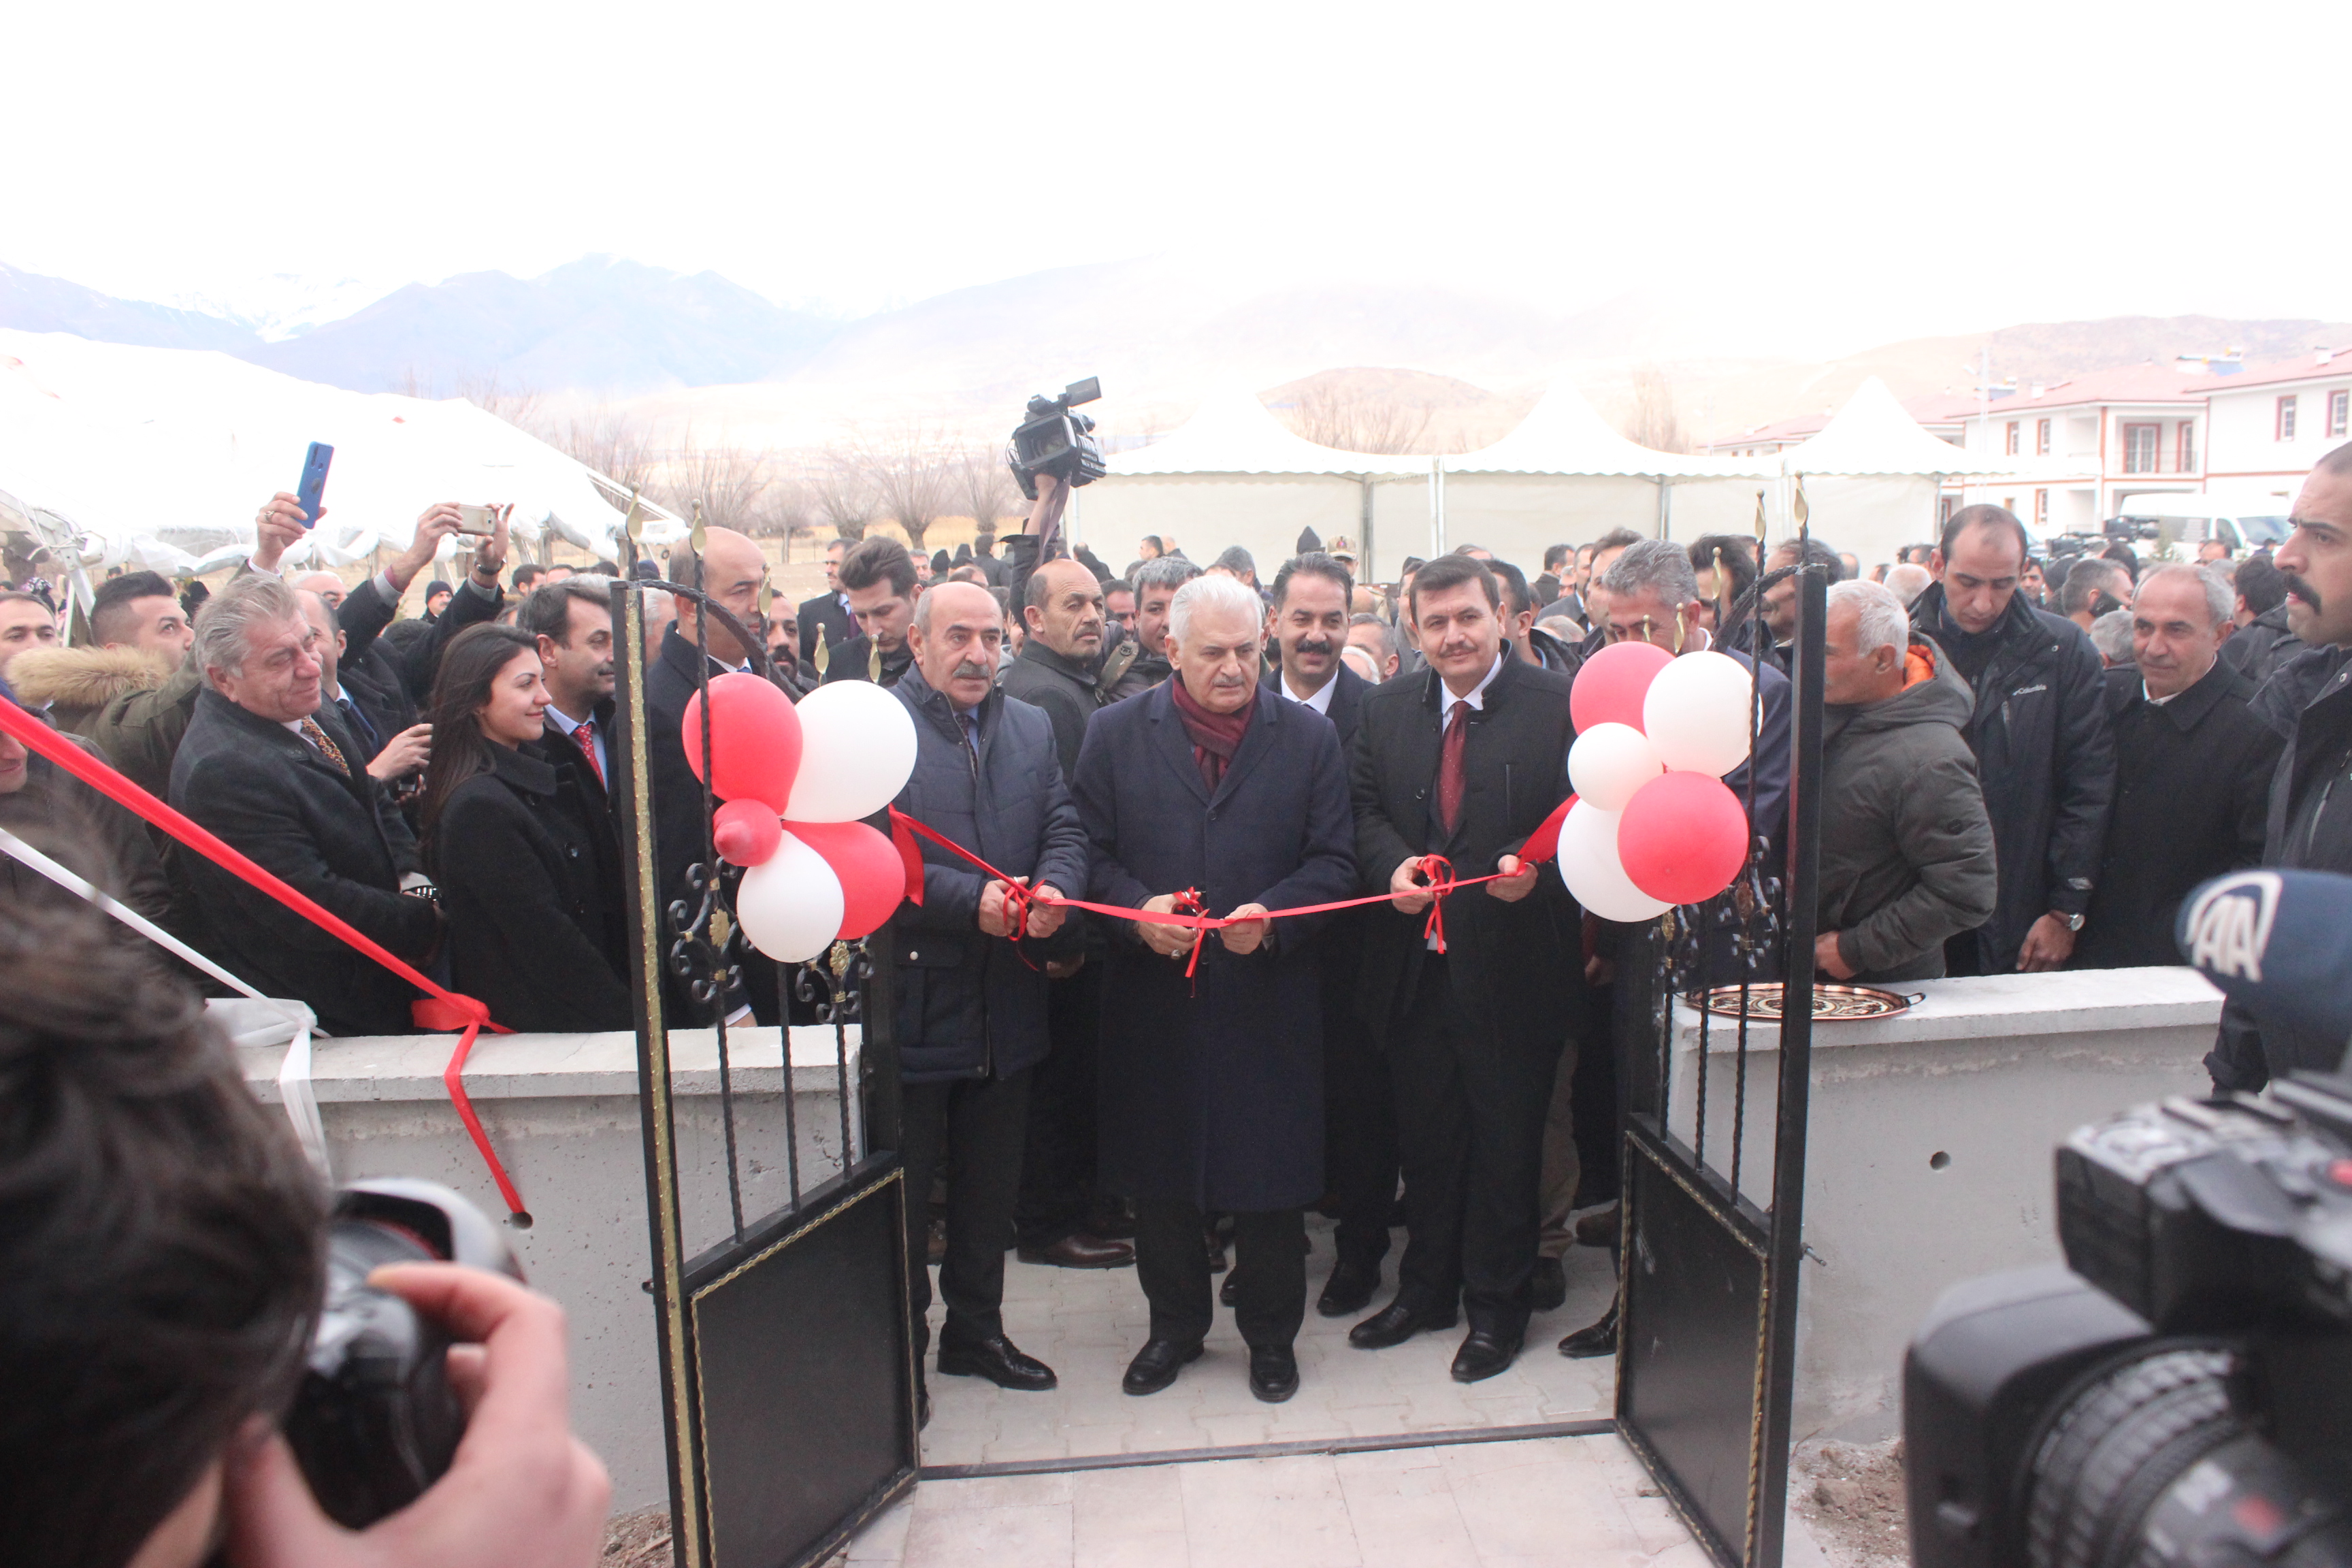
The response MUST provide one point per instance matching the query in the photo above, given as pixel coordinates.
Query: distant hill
(33, 303)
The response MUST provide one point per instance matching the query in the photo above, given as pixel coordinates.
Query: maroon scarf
(1215, 737)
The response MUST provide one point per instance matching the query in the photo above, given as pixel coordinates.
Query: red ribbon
(441, 1008)
(1441, 882)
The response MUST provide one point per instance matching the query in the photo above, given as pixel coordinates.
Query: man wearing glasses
(2308, 700)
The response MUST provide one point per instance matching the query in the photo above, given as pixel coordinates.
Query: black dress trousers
(973, 1129)
(1057, 1178)
(1269, 1268)
(1470, 1129)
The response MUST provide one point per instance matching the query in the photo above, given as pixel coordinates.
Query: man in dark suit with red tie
(1465, 760)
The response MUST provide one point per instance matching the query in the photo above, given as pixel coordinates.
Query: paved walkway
(1581, 1501)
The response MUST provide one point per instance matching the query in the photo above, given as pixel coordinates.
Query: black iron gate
(787, 1356)
(1708, 1327)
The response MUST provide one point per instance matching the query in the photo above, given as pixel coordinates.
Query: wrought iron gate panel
(1707, 1299)
(787, 1349)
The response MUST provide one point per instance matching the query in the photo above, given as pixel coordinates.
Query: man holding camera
(2307, 700)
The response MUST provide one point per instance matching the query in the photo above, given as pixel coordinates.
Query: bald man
(366, 682)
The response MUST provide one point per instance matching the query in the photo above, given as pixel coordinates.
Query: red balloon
(746, 832)
(1608, 690)
(1683, 837)
(873, 877)
(755, 747)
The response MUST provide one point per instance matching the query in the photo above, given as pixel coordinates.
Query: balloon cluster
(796, 781)
(1653, 825)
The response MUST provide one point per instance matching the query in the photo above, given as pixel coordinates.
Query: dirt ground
(1851, 1496)
(641, 1540)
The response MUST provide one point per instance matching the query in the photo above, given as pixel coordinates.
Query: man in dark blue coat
(1311, 595)
(968, 1007)
(1211, 1081)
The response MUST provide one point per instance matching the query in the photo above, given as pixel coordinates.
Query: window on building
(1950, 503)
(2339, 413)
(2042, 505)
(2011, 438)
(2139, 447)
(2041, 439)
(2186, 450)
(2286, 417)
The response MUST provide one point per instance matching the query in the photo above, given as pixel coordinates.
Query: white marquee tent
(160, 458)
(1872, 474)
(1232, 474)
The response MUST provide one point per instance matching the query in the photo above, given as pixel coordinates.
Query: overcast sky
(1900, 168)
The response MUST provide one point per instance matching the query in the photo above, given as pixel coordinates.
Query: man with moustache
(969, 1007)
(1212, 1061)
(1464, 761)
(1311, 595)
(2308, 701)
(1057, 672)
(571, 620)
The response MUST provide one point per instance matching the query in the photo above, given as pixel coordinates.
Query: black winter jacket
(967, 1005)
(2046, 758)
(530, 880)
(2261, 646)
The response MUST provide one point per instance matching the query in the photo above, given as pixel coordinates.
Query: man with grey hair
(1906, 848)
(277, 775)
(2193, 770)
(1652, 596)
(2111, 634)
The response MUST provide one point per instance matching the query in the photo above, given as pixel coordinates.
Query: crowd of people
(2028, 761)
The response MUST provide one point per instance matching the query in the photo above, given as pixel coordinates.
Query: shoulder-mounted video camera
(1051, 439)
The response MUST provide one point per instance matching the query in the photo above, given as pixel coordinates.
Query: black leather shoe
(1274, 1373)
(1349, 1289)
(1228, 1292)
(1395, 1323)
(1484, 1355)
(1599, 1339)
(922, 1408)
(1000, 1361)
(1549, 1283)
(1079, 1250)
(1155, 1366)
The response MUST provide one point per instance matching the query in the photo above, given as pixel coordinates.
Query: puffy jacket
(1907, 847)
(140, 731)
(2262, 645)
(965, 1003)
(2046, 758)
(75, 684)
(2307, 700)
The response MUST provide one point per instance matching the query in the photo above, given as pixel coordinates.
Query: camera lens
(2118, 1442)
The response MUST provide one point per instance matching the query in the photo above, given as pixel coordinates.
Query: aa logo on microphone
(2229, 926)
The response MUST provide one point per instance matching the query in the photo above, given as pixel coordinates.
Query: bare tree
(986, 489)
(911, 484)
(1656, 422)
(615, 445)
(787, 508)
(841, 493)
(1355, 421)
(725, 480)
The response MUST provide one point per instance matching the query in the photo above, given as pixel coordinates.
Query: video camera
(2181, 1391)
(1053, 440)
(376, 1421)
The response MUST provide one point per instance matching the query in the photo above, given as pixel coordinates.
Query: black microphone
(2277, 943)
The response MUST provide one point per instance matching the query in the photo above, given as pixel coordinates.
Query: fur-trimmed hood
(83, 679)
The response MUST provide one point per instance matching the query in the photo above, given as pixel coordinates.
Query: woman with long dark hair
(528, 869)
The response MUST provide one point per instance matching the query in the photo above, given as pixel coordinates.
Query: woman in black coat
(530, 876)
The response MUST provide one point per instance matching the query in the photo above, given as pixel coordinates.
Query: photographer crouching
(162, 1248)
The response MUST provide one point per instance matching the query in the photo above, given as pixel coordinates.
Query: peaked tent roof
(1562, 435)
(1232, 433)
(1872, 437)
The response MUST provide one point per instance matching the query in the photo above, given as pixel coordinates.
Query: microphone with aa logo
(2279, 943)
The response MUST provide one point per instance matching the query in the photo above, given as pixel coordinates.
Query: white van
(2241, 519)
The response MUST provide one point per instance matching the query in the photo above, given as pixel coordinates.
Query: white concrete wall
(2244, 431)
(561, 1111)
(1988, 1073)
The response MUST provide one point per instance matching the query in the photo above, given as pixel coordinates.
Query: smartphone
(477, 520)
(314, 480)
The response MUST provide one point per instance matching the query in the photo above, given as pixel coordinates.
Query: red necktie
(583, 735)
(1449, 766)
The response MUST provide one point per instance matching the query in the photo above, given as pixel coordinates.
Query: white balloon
(1589, 865)
(857, 748)
(1609, 763)
(789, 904)
(1696, 714)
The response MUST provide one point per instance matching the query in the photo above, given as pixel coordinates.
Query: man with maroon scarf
(1202, 794)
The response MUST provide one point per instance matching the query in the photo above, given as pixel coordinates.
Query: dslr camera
(1051, 439)
(376, 1421)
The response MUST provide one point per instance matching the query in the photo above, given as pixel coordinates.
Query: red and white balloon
(796, 781)
(1653, 825)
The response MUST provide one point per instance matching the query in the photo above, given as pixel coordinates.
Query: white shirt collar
(1321, 702)
(1477, 695)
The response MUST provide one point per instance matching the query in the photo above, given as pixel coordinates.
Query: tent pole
(1364, 529)
(1436, 506)
(1665, 519)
